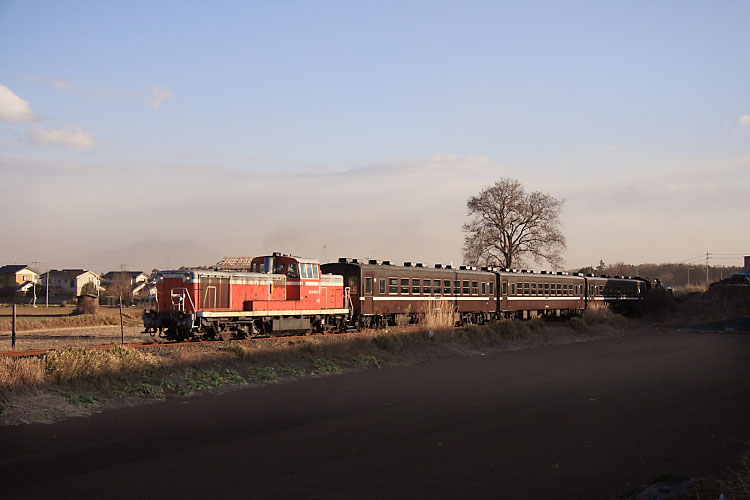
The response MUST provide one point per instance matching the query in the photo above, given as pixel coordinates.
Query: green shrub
(326, 365)
(388, 342)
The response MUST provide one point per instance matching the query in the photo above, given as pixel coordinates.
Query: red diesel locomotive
(280, 293)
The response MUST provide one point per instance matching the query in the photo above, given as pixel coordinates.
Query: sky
(360, 129)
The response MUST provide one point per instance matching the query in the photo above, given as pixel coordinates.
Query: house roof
(15, 269)
(68, 273)
(132, 274)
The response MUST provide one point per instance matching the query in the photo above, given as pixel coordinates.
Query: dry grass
(437, 314)
(596, 313)
(16, 372)
(75, 363)
(736, 483)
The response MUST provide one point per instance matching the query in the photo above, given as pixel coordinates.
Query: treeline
(672, 275)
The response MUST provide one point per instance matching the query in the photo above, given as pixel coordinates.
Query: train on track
(282, 293)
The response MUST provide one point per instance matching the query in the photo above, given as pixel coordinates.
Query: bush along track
(76, 381)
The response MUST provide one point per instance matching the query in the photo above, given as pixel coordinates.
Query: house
(70, 282)
(18, 294)
(127, 283)
(17, 274)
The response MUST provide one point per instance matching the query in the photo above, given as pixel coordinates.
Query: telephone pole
(706, 269)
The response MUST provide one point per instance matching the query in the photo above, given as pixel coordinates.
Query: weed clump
(73, 363)
(20, 372)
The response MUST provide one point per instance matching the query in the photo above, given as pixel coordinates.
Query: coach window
(559, 289)
(512, 288)
(393, 285)
(446, 287)
(436, 287)
(527, 288)
(382, 287)
(426, 287)
(456, 288)
(466, 287)
(415, 287)
(368, 285)
(565, 289)
(404, 286)
(484, 288)
(533, 289)
(475, 288)
(492, 288)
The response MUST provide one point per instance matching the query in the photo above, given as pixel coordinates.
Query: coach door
(367, 307)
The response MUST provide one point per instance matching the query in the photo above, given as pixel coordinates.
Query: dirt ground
(568, 421)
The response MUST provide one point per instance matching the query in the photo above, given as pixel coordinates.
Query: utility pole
(706, 269)
(33, 283)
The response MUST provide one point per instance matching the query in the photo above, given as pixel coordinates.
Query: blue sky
(336, 123)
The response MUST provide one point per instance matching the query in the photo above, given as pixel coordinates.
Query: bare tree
(507, 224)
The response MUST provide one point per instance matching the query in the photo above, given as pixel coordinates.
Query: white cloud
(744, 121)
(13, 109)
(74, 138)
(158, 96)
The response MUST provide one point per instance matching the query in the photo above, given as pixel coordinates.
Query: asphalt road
(574, 421)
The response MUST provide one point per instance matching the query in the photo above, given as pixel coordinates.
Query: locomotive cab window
(292, 271)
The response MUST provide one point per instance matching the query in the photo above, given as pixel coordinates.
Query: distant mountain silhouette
(150, 254)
